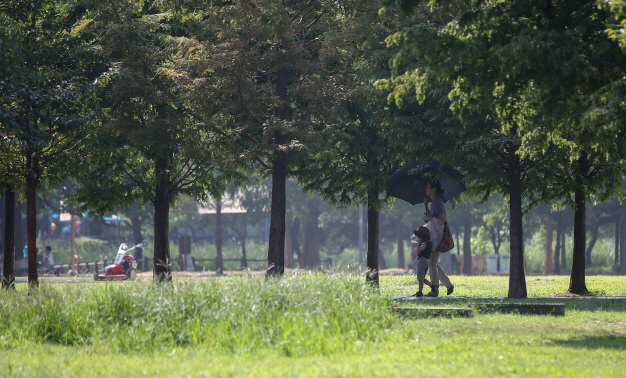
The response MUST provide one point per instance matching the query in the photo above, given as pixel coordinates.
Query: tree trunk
(288, 245)
(517, 276)
(31, 219)
(495, 240)
(592, 243)
(577, 283)
(557, 249)
(135, 226)
(467, 246)
(372, 239)
(161, 268)
(400, 242)
(547, 266)
(8, 273)
(219, 259)
(276, 249)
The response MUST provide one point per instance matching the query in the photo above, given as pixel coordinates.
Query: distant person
(438, 210)
(424, 251)
(66, 232)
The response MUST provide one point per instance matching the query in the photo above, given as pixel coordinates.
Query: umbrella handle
(426, 207)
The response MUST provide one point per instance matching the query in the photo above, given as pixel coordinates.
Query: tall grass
(296, 315)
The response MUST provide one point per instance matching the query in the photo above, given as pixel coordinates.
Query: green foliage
(143, 122)
(46, 69)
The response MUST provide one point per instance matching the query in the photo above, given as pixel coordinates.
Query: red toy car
(123, 268)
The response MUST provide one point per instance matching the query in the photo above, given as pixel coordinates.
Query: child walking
(424, 249)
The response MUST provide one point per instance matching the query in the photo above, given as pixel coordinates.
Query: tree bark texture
(31, 218)
(219, 258)
(495, 240)
(288, 245)
(577, 283)
(161, 267)
(467, 246)
(372, 240)
(547, 266)
(276, 249)
(517, 276)
(400, 230)
(8, 272)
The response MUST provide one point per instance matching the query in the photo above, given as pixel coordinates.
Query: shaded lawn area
(589, 341)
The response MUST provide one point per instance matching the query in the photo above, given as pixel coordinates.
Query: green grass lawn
(305, 325)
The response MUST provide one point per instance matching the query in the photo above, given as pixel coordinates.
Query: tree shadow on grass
(611, 341)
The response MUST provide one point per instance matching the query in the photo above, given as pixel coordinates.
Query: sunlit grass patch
(306, 325)
(315, 313)
(498, 286)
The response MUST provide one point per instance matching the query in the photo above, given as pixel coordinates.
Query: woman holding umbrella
(438, 211)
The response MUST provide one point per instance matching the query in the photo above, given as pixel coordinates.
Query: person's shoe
(450, 289)
(418, 294)
(434, 291)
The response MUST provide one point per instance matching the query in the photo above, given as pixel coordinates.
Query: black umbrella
(409, 183)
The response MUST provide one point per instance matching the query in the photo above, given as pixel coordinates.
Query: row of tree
(537, 83)
(141, 101)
